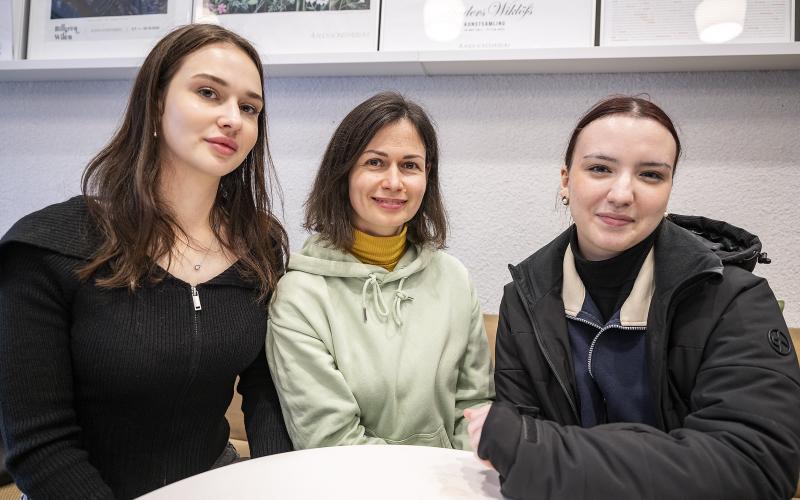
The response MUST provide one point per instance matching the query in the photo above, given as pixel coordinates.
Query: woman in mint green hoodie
(376, 335)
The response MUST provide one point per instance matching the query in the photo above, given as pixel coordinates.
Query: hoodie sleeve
(318, 406)
(475, 385)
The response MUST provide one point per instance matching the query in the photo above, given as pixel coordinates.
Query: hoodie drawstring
(377, 297)
(399, 296)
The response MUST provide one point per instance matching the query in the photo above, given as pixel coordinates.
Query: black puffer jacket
(721, 367)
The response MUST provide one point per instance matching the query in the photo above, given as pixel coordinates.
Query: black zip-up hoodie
(723, 374)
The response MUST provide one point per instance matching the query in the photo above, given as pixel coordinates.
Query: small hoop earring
(564, 201)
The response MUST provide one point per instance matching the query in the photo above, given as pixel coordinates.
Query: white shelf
(730, 57)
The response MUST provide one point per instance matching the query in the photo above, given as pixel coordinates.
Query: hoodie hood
(321, 258)
(733, 245)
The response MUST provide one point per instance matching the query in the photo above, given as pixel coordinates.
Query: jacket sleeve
(318, 406)
(266, 432)
(741, 439)
(37, 414)
(511, 380)
(475, 386)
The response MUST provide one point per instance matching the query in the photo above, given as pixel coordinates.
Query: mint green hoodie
(360, 355)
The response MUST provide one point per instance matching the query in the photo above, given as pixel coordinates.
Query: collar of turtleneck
(384, 251)
(609, 281)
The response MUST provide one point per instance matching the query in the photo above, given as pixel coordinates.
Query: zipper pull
(196, 299)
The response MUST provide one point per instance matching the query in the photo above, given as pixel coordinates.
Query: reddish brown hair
(635, 106)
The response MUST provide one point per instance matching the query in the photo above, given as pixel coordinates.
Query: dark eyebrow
(602, 157)
(222, 82)
(646, 164)
(651, 164)
(381, 153)
(374, 151)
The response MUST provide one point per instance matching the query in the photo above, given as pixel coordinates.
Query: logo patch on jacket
(780, 342)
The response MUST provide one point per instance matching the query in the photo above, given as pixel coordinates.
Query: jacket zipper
(196, 302)
(601, 330)
(550, 364)
(195, 356)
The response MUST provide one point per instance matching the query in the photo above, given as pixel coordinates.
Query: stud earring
(564, 201)
(666, 214)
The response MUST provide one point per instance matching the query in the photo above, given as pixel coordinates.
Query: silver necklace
(199, 265)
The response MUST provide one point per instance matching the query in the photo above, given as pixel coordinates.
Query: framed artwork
(655, 22)
(297, 26)
(74, 29)
(418, 25)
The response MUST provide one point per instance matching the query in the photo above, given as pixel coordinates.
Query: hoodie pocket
(436, 439)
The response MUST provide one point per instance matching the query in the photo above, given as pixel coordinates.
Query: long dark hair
(635, 106)
(120, 184)
(328, 209)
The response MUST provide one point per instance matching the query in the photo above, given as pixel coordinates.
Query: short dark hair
(328, 209)
(635, 106)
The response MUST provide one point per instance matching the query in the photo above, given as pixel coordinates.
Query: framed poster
(417, 25)
(297, 26)
(67, 29)
(655, 22)
(6, 31)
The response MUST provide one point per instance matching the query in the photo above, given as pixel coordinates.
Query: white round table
(344, 472)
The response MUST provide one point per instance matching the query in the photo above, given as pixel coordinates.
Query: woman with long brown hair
(127, 313)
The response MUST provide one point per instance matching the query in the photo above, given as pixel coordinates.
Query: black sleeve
(263, 420)
(37, 414)
(5, 477)
(741, 439)
(512, 382)
(500, 436)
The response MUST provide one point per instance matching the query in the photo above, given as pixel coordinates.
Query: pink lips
(390, 203)
(615, 220)
(223, 145)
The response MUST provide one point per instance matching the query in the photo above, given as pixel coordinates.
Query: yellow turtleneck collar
(384, 251)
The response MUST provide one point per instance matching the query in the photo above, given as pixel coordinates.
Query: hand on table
(476, 418)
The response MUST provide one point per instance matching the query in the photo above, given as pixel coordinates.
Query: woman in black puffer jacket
(637, 354)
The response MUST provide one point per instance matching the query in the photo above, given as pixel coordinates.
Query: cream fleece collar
(635, 308)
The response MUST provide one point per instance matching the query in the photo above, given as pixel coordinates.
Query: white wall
(502, 139)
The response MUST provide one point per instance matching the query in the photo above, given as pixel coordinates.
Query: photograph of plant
(68, 9)
(261, 6)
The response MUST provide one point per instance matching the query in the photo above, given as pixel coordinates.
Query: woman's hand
(476, 418)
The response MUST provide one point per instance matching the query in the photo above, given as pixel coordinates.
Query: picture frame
(627, 23)
(421, 25)
(297, 26)
(75, 29)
